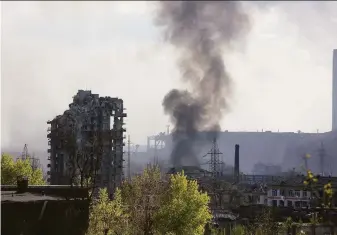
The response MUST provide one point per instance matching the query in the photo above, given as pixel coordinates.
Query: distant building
(263, 169)
(191, 172)
(87, 131)
(275, 148)
(293, 193)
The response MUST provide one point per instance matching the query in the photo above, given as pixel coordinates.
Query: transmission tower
(214, 163)
(34, 162)
(24, 154)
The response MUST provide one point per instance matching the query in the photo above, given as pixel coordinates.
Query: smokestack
(334, 90)
(237, 163)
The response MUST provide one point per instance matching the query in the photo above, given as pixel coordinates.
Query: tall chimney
(334, 90)
(237, 163)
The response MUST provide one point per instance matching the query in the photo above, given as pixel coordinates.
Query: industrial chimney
(334, 90)
(237, 163)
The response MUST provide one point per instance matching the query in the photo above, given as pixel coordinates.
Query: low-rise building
(47, 209)
(294, 193)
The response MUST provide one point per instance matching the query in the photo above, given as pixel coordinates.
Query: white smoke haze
(281, 77)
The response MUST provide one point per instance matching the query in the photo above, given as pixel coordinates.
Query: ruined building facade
(87, 141)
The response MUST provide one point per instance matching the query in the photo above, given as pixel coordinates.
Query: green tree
(108, 216)
(239, 230)
(265, 224)
(312, 183)
(7, 170)
(152, 204)
(11, 169)
(143, 198)
(184, 209)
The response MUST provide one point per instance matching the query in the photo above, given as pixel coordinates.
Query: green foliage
(7, 170)
(265, 223)
(108, 216)
(143, 197)
(311, 183)
(150, 205)
(287, 224)
(239, 230)
(184, 209)
(87, 181)
(11, 169)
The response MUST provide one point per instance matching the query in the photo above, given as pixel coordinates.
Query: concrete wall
(60, 217)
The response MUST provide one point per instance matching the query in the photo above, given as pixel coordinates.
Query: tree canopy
(108, 216)
(152, 204)
(184, 209)
(11, 169)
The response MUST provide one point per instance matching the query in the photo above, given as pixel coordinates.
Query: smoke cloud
(200, 31)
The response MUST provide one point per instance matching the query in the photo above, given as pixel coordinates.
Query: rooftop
(42, 192)
(12, 196)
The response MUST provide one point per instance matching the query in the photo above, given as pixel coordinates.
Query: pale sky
(282, 75)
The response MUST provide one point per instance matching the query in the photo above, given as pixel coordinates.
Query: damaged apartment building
(86, 142)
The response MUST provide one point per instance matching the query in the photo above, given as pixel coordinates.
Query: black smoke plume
(200, 31)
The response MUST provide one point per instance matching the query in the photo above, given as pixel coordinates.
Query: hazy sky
(282, 74)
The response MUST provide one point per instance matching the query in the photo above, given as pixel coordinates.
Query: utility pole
(35, 162)
(322, 155)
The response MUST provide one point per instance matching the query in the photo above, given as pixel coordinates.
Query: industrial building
(286, 149)
(87, 140)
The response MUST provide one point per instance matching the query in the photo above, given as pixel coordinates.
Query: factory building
(271, 148)
(293, 193)
(284, 149)
(87, 140)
